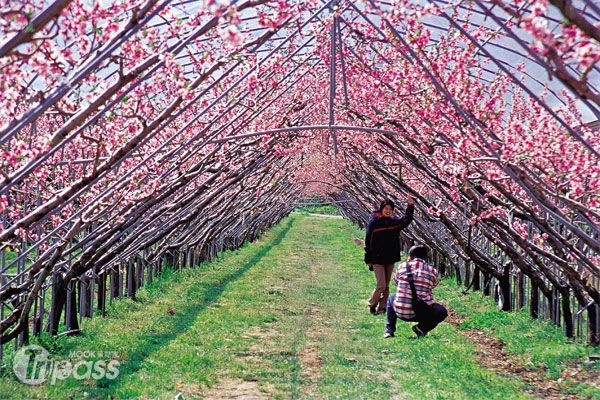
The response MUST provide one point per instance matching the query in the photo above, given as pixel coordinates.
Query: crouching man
(399, 305)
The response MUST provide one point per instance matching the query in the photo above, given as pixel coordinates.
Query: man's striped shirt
(425, 277)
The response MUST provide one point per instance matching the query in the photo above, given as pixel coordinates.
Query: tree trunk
(520, 290)
(442, 268)
(170, 259)
(534, 303)
(24, 336)
(72, 321)
(487, 282)
(458, 277)
(131, 279)
(567, 315)
(88, 291)
(594, 325)
(467, 272)
(102, 293)
(114, 283)
(504, 282)
(59, 297)
(476, 279)
(38, 315)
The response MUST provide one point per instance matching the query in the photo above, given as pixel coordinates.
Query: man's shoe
(373, 309)
(418, 331)
(388, 335)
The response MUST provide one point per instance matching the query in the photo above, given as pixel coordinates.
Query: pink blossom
(232, 36)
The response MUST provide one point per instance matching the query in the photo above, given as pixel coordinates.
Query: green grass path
(284, 317)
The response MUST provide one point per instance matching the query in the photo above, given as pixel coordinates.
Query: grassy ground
(286, 317)
(538, 345)
(326, 209)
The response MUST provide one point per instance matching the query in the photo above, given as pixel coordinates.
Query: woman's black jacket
(382, 241)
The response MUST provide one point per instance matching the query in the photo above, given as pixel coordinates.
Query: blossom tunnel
(137, 135)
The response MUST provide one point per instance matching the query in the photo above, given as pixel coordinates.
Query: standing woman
(382, 248)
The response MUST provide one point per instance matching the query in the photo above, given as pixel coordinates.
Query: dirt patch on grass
(268, 335)
(576, 374)
(311, 362)
(186, 391)
(391, 379)
(490, 353)
(455, 319)
(250, 389)
(357, 241)
(237, 389)
(308, 356)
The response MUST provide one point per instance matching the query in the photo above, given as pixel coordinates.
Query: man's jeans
(426, 323)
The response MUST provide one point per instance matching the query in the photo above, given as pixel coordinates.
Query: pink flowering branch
(33, 26)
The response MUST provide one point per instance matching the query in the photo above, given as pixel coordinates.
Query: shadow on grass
(152, 342)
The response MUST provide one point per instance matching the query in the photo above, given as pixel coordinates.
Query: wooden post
(555, 308)
(139, 272)
(114, 283)
(121, 282)
(81, 285)
(520, 290)
(39, 320)
(170, 259)
(182, 259)
(504, 282)
(458, 276)
(131, 279)
(89, 297)
(476, 279)
(102, 293)
(487, 282)
(567, 314)
(442, 267)
(534, 303)
(24, 335)
(594, 325)
(467, 272)
(150, 272)
(71, 315)
(58, 302)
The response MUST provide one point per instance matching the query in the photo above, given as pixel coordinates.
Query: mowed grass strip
(284, 317)
(154, 337)
(537, 345)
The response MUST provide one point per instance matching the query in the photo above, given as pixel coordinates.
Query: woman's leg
(388, 269)
(379, 271)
